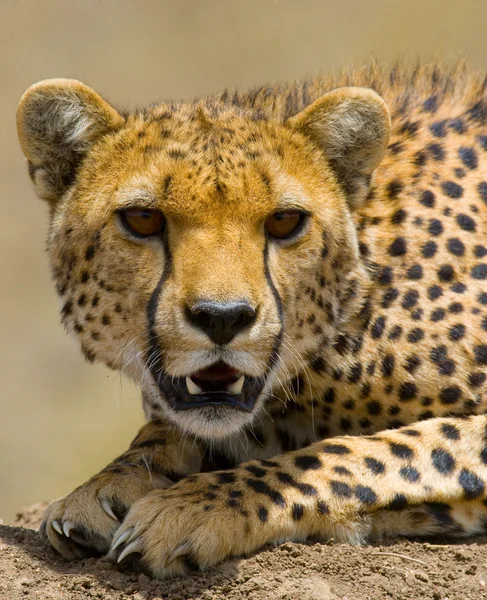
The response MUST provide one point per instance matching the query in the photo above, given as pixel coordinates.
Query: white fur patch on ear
(352, 127)
(57, 121)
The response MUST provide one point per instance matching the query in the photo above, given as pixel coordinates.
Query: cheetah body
(380, 309)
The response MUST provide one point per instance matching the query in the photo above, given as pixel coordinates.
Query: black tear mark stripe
(154, 353)
(277, 299)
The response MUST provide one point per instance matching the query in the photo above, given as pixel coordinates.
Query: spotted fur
(371, 332)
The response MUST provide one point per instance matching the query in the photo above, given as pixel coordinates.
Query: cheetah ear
(57, 122)
(352, 127)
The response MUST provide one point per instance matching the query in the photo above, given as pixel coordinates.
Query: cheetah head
(203, 250)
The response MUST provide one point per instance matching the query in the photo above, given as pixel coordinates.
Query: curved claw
(181, 550)
(107, 508)
(135, 546)
(57, 527)
(121, 539)
(67, 526)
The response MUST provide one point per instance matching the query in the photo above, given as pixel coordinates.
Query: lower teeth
(236, 386)
(192, 387)
(233, 388)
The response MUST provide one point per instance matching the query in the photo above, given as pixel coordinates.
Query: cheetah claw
(133, 548)
(120, 539)
(107, 508)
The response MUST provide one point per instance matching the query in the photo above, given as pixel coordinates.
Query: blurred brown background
(60, 419)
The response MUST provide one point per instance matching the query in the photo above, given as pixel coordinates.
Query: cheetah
(296, 278)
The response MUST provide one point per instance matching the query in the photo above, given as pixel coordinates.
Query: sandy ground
(401, 571)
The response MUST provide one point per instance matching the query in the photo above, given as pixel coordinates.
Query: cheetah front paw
(194, 524)
(83, 523)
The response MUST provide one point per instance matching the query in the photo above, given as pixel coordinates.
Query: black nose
(221, 322)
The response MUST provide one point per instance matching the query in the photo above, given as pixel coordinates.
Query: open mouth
(218, 385)
(219, 378)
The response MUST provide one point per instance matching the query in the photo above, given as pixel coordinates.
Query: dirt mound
(402, 571)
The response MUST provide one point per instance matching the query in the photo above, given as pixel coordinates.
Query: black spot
(398, 247)
(395, 333)
(435, 227)
(410, 299)
(473, 486)
(412, 363)
(378, 327)
(385, 276)
(476, 379)
(443, 461)
(480, 353)
(479, 271)
(226, 477)
(256, 471)
(263, 514)
(322, 508)
(434, 292)
(329, 396)
(307, 462)
(455, 308)
(458, 125)
(374, 408)
(297, 511)
(415, 335)
(305, 488)
(376, 466)
(483, 455)
(389, 297)
(339, 488)
(436, 151)
(427, 199)
(482, 140)
(458, 288)
(355, 373)
(457, 332)
(450, 431)
(480, 251)
(456, 246)
(415, 272)
(438, 129)
(429, 249)
(409, 474)
(398, 217)
(466, 222)
(394, 188)
(482, 298)
(365, 494)
(450, 395)
(67, 308)
(469, 157)
(401, 450)
(482, 190)
(407, 391)
(318, 365)
(387, 366)
(90, 252)
(452, 189)
(261, 487)
(398, 502)
(342, 471)
(335, 449)
(446, 273)
(430, 105)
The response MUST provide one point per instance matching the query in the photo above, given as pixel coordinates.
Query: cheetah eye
(283, 225)
(143, 222)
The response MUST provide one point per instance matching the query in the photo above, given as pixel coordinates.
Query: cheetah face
(184, 239)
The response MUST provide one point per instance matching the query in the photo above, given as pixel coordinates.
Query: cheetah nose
(221, 321)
